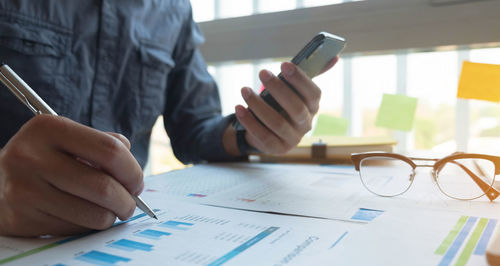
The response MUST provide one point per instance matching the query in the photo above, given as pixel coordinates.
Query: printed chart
(188, 234)
(467, 240)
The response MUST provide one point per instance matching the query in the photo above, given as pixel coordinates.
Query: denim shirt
(114, 65)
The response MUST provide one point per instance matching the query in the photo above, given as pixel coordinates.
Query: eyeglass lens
(457, 178)
(386, 176)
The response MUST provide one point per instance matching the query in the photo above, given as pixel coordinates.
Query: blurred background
(408, 47)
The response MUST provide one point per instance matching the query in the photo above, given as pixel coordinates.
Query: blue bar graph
(485, 237)
(459, 240)
(366, 215)
(101, 258)
(233, 253)
(129, 245)
(176, 225)
(152, 234)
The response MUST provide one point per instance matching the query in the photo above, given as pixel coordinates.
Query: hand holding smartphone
(316, 57)
(313, 59)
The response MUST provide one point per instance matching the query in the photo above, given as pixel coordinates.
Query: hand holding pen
(60, 177)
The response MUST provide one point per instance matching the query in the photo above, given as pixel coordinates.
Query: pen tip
(154, 216)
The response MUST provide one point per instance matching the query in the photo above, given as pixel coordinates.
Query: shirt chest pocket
(156, 64)
(38, 53)
(33, 40)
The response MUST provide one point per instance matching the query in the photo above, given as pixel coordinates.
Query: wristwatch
(241, 142)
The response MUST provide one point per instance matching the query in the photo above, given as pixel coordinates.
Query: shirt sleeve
(192, 116)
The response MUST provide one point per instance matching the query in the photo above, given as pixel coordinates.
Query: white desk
(422, 227)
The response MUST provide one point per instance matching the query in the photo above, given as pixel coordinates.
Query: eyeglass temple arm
(488, 190)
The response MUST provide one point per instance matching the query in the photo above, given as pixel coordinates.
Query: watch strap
(243, 147)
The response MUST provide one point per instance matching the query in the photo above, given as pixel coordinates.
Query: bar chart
(129, 245)
(195, 235)
(176, 225)
(152, 234)
(366, 215)
(101, 258)
(468, 238)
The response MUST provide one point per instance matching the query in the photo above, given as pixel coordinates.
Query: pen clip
(27, 103)
(18, 94)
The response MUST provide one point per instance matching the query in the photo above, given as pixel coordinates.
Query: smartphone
(312, 59)
(316, 55)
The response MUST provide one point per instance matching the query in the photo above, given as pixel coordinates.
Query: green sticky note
(328, 125)
(397, 112)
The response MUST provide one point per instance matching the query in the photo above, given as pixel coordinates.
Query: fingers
(102, 150)
(261, 137)
(21, 224)
(303, 84)
(50, 225)
(32, 207)
(89, 184)
(60, 177)
(296, 108)
(286, 98)
(75, 210)
(277, 134)
(267, 115)
(121, 138)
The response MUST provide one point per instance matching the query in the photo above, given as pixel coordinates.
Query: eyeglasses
(462, 176)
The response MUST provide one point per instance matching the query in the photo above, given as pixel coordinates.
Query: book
(330, 149)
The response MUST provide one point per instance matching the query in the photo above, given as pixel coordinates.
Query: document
(305, 190)
(419, 237)
(192, 234)
(332, 192)
(420, 227)
(188, 234)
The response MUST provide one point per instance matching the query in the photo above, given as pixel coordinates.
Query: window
(372, 76)
(310, 3)
(203, 10)
(484, 116)
(276, 5)
(359, 80)
(432, 78)
(206, 10)
(231, 8)
(231, 77)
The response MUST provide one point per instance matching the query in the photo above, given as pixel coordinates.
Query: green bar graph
(471, 244)
(28, 253)
(467, 241)
(451, 236)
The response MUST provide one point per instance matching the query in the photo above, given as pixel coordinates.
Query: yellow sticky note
(327, 125)
(479, 81)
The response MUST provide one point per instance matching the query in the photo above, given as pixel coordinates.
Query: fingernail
(140, 190)
(266, 75)
(245, 92)
(239, 111)
(288, 69)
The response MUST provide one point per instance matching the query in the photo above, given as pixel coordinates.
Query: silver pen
(29, 97)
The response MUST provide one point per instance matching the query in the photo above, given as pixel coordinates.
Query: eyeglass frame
(491, 192)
